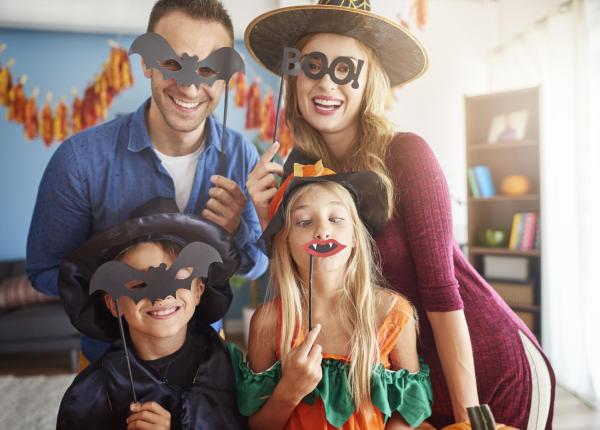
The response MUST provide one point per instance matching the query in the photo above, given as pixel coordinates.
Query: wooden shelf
(525, 308)
(503, 159)
(504, 198)
(483, 250)
(512, 144)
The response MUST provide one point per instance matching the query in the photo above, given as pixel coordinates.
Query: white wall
(458, 36)
(108, 16)
(515, 16)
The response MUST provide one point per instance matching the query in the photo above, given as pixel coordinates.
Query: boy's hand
(301, 369)
(149, 415)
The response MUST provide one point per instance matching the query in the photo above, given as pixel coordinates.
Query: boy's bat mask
(315, 65)
(186, 70)
(157, 282)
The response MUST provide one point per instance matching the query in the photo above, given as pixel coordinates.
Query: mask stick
(125, 349)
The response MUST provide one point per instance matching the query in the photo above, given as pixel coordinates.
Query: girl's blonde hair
(356, 301)
(375, 132)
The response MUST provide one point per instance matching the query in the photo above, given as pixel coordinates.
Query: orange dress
(330, 406)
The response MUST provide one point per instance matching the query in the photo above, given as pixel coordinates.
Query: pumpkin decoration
(515, 185)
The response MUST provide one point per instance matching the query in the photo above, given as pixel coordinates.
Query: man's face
(183, 109)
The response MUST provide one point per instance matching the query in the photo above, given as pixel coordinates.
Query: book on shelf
(523, 232)
(473, 183)
(514, 231)
(483, 178)
(528, 236)
(537, 238)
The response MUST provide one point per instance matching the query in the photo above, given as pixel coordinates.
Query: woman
(479, 351)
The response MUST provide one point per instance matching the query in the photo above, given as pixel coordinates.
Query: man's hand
(226, 203)
(149, 415)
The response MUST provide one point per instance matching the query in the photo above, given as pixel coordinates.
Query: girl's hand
(301, 369)
(149, 415)
(262, 184)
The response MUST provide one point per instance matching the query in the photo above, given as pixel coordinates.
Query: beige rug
(31, 402)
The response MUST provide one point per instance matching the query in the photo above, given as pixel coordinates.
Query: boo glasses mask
(341, 70)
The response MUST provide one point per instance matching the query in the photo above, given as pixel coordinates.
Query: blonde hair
(357, 300)
(375, 132)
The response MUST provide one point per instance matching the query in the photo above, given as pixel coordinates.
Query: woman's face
(321, 225)
(328, 107)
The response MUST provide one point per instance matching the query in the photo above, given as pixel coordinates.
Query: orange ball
(515, 185)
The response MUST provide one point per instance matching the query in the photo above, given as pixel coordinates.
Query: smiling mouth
(327, 104)
(323, 248)
(185, 105)
(163, 312)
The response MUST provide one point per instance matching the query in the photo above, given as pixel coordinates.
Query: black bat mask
(159, 282)
(186, 70)
(316, 65)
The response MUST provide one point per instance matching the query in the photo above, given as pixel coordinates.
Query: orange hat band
(300, 171)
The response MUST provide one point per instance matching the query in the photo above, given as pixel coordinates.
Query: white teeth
(163, 312)
(328, 103)
(314, 246)
(186, 105)
(330, 245)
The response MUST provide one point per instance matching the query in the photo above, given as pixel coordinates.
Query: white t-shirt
(182, 170)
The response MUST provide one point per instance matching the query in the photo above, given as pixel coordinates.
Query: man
(169, 147)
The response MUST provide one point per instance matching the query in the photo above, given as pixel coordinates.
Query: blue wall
(56, 62)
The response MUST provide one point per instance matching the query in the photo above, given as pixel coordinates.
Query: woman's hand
(301, 369)
(149, 415)
(262, 183)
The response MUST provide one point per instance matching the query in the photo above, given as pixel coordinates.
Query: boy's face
(164, 318)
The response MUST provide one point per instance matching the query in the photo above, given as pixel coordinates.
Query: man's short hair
(210, 10)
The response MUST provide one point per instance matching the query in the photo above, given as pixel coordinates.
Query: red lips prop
(323, 248)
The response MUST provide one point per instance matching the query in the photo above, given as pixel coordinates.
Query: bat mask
(186, 70)
(119, 279)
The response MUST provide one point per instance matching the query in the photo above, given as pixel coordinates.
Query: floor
(570, 412)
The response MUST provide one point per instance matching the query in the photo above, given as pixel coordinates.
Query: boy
(167, 274)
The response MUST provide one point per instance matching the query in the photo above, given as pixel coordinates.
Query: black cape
(100, 396)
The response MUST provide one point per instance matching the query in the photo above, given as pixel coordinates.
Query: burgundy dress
(422, 261)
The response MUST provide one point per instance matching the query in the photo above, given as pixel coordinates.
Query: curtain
(561, 54)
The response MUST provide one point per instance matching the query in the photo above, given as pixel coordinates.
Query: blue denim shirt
(96, 178)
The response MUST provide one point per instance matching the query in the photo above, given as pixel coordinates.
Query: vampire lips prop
(323, 248)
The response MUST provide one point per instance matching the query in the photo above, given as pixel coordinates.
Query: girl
(478, 349)
(358, 366)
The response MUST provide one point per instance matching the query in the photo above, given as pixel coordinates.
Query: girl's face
(325, 105)
(161, 318)
(320, 225)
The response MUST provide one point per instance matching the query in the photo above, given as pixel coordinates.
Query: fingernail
(132, 406)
